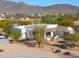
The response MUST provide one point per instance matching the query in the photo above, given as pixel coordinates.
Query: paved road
(22, 51)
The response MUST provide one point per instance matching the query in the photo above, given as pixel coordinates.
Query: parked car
(4, 40)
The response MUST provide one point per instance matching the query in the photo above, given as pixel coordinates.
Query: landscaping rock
(1, 50)
(67, 53)
(57, 51)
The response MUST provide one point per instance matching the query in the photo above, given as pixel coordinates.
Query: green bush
(16, 35)
(72, 37)
(76, 28)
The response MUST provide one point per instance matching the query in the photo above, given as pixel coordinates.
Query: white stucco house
(2, 17)
(27, 30)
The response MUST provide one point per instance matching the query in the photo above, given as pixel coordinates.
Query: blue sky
(49, 2)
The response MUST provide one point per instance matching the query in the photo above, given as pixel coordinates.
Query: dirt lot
(22, 51)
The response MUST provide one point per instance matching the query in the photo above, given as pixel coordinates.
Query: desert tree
(39, 35)
(73, 38)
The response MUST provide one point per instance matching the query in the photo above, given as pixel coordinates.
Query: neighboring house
(51, 29)
(26, 19)
(17, 18)
(2, 17)
(76, 22)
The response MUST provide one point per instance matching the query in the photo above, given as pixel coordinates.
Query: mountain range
(10, 7)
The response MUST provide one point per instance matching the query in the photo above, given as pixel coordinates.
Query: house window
(48, 34)
(33, 33)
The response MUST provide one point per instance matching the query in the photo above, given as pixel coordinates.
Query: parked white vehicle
(4, 40)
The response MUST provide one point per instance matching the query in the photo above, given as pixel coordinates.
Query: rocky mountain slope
(11, 7)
